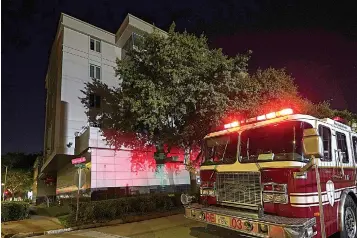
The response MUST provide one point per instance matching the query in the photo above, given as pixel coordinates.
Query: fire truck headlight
(281, 198)
(275, 198)
(268, 197)
(207, 192)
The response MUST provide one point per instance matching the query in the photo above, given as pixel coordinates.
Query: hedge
(98, 211)
(54, 211)
(13, 211)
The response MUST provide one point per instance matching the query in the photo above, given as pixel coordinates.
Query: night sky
(315, 42)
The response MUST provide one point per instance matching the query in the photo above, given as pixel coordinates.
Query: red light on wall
(284, 112)
(270, 115)
(231, 125)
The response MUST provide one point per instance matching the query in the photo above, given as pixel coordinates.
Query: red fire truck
(279, 175)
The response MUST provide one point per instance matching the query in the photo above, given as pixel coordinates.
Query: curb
(137, 218)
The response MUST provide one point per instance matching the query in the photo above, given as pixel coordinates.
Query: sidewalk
(33, 224)
(39, 225)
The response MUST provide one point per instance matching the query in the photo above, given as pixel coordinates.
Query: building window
(354, 141)
(95, 45)
(94, 101)
(132, 42)
(342, 145)
(94, 72)
(325, 134)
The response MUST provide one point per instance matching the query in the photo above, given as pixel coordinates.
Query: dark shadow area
(211, 231)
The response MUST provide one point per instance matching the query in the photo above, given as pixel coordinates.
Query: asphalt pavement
(170, 227)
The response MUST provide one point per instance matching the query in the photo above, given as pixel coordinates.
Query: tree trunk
(193, 182)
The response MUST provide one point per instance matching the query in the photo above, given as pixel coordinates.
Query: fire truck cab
(279, 175)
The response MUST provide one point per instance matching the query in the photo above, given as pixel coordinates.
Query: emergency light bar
(284, 112)
(230, 125)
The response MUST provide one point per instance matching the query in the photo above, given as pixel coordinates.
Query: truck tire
(349, 219)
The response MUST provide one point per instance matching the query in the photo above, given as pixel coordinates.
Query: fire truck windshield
(281, 142)
(221, 149)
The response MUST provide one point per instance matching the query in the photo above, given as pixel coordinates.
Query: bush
(64, 220)
(54, 211)
(13, 211)
(97, 211)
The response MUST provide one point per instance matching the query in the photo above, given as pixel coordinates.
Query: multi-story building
(81, 52)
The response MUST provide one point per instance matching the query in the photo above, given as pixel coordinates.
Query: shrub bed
(13, 211)
(54, 211)
(105, 210)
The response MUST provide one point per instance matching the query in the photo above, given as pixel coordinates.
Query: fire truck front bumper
(252, 224)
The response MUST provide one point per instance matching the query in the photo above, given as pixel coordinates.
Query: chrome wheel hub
(350, 223)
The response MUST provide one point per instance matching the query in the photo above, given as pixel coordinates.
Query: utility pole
(79, 186)
(3, 194)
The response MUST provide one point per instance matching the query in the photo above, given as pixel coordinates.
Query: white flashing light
(261, 118)
(284, 112)
(231, 125)
(270, 115)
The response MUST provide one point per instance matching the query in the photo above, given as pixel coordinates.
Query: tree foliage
(174, 89)
(19, 160)
(18, 181)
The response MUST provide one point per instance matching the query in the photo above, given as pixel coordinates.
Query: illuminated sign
(78, 160)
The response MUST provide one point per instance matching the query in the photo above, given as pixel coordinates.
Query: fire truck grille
(239, 189)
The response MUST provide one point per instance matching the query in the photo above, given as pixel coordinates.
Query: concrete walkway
(165, 227)
(33, 224)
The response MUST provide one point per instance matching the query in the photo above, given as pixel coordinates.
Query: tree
(275, 89)
(18, 181)
(19, 160)
(173, 89)
(169, 87)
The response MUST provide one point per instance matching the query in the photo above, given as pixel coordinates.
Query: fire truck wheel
(350, 219)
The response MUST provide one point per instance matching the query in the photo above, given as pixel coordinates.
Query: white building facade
(81, 52)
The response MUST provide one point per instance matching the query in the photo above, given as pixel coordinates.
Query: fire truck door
(354, 149)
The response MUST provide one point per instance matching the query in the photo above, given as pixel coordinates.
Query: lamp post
(3, 194)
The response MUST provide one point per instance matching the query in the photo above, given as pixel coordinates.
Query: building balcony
(90, 137)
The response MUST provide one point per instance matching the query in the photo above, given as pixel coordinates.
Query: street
(173, 226)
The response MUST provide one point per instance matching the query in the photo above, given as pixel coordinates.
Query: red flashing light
(231, 125)
(251, 120)
(337, 119)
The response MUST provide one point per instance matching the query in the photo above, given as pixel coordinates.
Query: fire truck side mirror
(312, 143)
